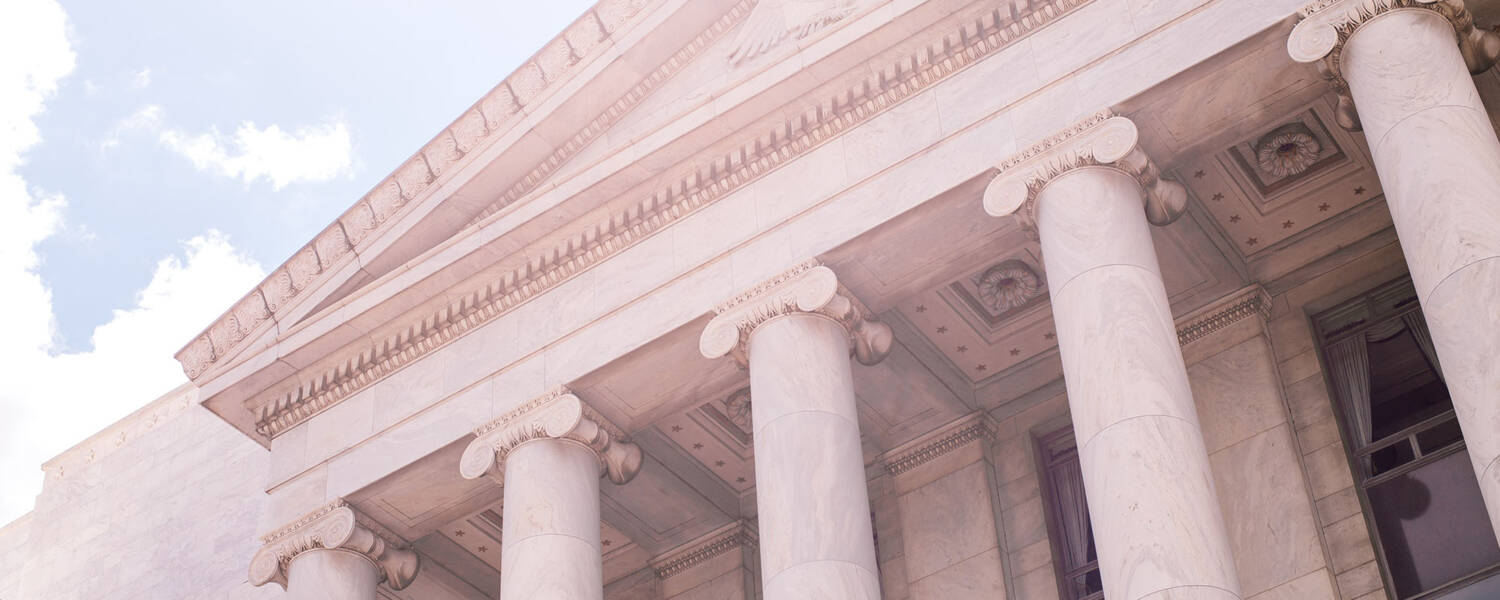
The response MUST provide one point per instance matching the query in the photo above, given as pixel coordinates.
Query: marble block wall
(1025, 549)
(13, 537)
(166, 508)
(948, 506)
(1262, 490)
(720, 565)
(1345, 534)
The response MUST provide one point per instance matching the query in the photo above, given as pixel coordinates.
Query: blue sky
(156, 158)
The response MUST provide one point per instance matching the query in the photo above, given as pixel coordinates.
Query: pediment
(623, 71)
(510, 143)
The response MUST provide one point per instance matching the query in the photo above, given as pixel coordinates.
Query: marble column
(333, 553)
(1407, 71)
(549, 454)
(1088, 193)
(795, 333)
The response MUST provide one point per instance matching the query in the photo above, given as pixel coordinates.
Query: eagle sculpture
(773, 21)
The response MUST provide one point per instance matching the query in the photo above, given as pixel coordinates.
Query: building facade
(739, 299)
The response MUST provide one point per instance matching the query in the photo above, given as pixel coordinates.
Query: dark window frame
(1053, 449)
(1387, 301)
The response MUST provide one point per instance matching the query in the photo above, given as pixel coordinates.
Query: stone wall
(13, 539)
(1345, 533)
(161, 505)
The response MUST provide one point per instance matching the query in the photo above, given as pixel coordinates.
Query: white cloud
(141, 79)
(312, 153)
(51, 401)
(316, 153)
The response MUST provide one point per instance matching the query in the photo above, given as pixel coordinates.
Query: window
(1431, 532)
(1072, 538)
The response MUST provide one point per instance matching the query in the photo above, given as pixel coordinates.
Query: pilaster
(334, 526)
(558, 414)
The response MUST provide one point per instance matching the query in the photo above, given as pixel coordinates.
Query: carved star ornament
(773, 21)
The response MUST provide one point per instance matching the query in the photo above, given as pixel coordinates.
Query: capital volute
(808, 287)
(1100, 140)
(558, 414)
(1327, 25)
(334, 526)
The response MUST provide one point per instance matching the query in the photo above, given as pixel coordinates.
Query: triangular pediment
(622, 71)
(496, 152)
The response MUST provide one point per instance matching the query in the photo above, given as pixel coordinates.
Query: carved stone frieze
(740, 534)
(1248, 302)
(1102, 139)
(334, 526)
(558, 414)
(975, 428)
(888, 85)
(775, 21)
(1327, 24)
(808, 287)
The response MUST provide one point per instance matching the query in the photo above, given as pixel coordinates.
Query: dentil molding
(1251, 301)
(808, 287)
(1102, 139)
(890, 82)
(977, 427)
(739, 534)
(334, 526)
(558, 414)
(1327, 24)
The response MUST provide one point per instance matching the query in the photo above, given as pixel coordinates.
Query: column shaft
(812, 499)
(1156, 518)
(321, 574)
(1439, 163)
(551, 522)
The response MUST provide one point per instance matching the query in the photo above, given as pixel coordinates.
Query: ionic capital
(1100, 140)
(334, 526)
(1327, 24)
(808, 287)
(556, 415)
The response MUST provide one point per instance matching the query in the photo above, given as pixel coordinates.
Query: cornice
(962, 433)
(889, 84)
(499, 110)
(558, 414)
(334, 526)
(616, 111)
(808, 287)
(1327, 25)
(740, 534)
(1101, 139)
(1248, 302)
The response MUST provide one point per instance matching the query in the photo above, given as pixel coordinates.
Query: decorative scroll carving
(889, 84)
(808, 287)
(334, 526)
(774, 21)
(960, 435)
(740, 534)
(1102, 139)
(1327, 25)
(559, 415)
